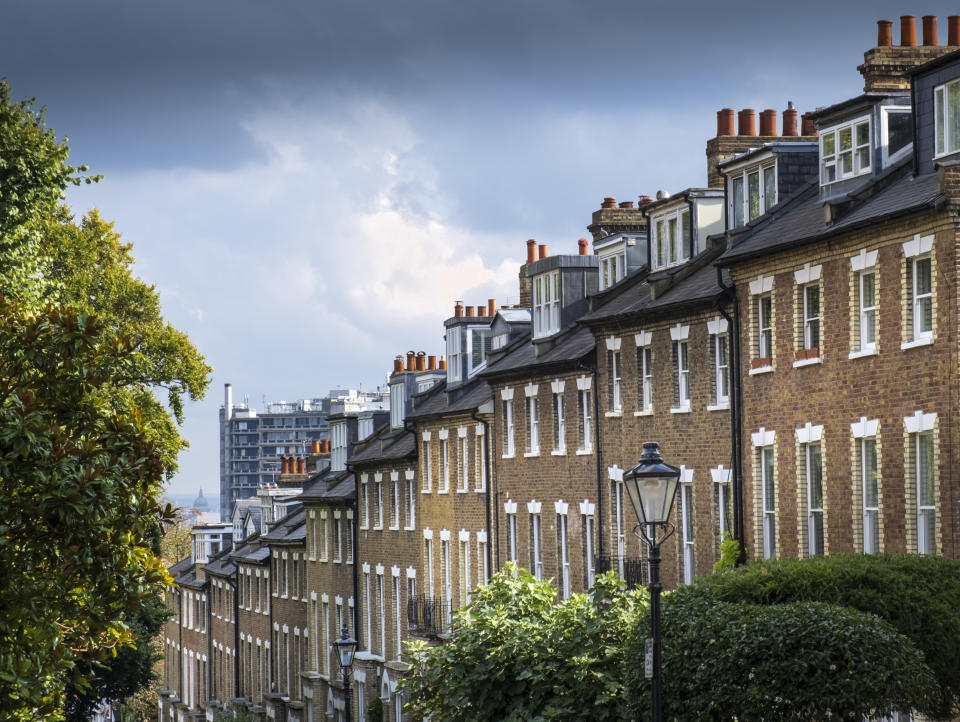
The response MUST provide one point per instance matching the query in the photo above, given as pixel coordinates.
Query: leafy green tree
(918, 595)
(795, 661)
(515, 654)
(85, 443)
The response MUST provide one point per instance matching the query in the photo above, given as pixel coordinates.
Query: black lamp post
(346, 647)
(652, 487)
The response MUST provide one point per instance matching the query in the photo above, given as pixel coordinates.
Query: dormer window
(499, 341)
(671, 238)
(546, 304)
(396, 405)
(454, 361)
(479, 343)
(897, 126)
(946, 101)
(845, 150)
(612, 269)
(753, 192)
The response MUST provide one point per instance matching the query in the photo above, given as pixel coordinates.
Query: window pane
(953, 110)
(815, 476)
(829, 144)
(923, 276)
(899, 131)
(738, 201)
(661, 244)
(925, 491)
(768, 482)
(941, 119)
(685, 240)
(846, 139)
(753, 190)
(769, 188)
(672, 236)
(869, 463)
(863, 134)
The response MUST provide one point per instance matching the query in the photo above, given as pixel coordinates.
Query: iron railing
(633, 569)
(429, 616)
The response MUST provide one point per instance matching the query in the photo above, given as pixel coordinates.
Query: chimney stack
(583, 245)
(491, 307)
(930, 30)
(908, 31)
(725, 122)
(747, 124)
(542, 248)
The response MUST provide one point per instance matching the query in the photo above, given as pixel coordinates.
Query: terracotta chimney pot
(725, 122)
(443, 364)
(398, 364)
(908, 31)
(790, 121)
(542, 248)
(491, 307)
(768, 122)
(481, 310)
(315, 446)
(884, 33)
(469, 311)
(432, 363)
(807, 126)
(930, 30)
(747, 122)
(609, 202)
(583, 245)
(953, 30)
(626, 204)
(421, 361)
(645, 199)
(458, 309)
(531, 251)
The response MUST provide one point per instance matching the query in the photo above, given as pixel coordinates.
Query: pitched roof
(291, 529)
(575, 343)
(466, 398)
(803, 220)
(330, 486)
(389, 444)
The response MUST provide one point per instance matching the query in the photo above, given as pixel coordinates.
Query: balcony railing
(632, 569)
(428, 616)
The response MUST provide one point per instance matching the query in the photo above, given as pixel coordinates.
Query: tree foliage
(85, 443)
(918, 595)
(794, 661)
(514, 654)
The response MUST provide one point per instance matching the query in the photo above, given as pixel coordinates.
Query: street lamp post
(346, 647)
(652, 487)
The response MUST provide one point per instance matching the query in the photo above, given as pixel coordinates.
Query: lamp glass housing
(346, 647)
(652, 486)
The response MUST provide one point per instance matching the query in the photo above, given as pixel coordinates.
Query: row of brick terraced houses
(788, 334)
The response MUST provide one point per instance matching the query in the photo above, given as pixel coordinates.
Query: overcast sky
(311, 184)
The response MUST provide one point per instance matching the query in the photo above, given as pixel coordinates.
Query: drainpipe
(487, 486)
(736, 414)
(356, 551)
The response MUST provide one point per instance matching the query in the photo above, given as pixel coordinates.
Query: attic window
(479, 343)
(946, 101)
(845, 151)
(499, 341)
(671, 240)
(546, 304)
(897, 133)
(753, 192)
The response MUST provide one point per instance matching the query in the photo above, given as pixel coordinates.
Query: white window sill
(558, 452)
(528, 454)
(719, 407)
(462, 491)
(443, 491)
(645, 412)
(584, 452)
(507, 456)
(392, 528)
(871, 351)
(422, 491)
(760, 370)
(481, 491)
(806, 362)
(685, 409)
(922, 341)
(613, 414)
(376, 528)
(406, 528)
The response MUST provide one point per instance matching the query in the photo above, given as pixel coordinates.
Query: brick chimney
(613, 219)
(526, 285)
(885, 67)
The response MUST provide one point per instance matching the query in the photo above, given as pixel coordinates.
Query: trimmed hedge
(918, 595)
(796, 661)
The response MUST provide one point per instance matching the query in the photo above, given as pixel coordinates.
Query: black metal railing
(428, 616)
(633, 569)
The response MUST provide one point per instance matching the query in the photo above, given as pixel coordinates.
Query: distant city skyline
(311, 185)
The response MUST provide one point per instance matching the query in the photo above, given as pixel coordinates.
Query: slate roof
(576, 343)
(471, 395)
(803, 220)
(332, 486)
(291, 529)
(389, 444)
(251, 551)
(221, 564)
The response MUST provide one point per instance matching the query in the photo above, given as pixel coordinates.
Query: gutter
(736, 413)
(356, 549)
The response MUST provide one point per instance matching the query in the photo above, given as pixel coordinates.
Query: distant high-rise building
(252, 443)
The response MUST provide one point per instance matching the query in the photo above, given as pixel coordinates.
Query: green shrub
(918, 595)
(797, 661)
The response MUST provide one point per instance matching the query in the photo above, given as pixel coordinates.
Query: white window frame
(763, 444)
(615, 370)
(674, 251)
(463, 471)
(508, 426)
(857, 168)
(686, 524)
(921, 426)
(587, 510)
(682, 360)
(885, 113)
(444, 480)
(721, 478)
(378, 498)
(454, 354)
(533, 422)
(942, 106)
(411, 500)
(918, 298)
(427, 453)
(585, 409)
(613, 268)
(767, 168)
(396, 405)
(547, 294)
(563, 552)
(871, 513)
(816, 541)
(536, 539)
(394, 500)
(864, 265)
(764, 327)
(480, 476)
(644, 373)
